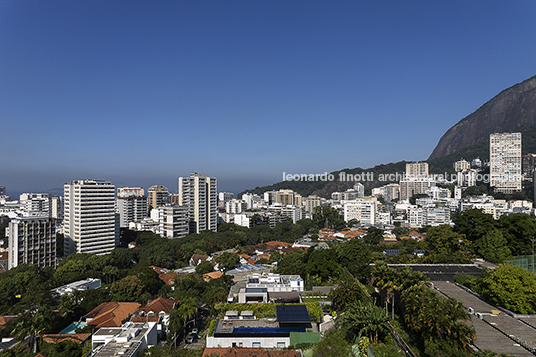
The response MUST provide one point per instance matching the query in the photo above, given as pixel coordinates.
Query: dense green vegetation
(508, 286)
(127, 276)
(435, 323)
(496, 240)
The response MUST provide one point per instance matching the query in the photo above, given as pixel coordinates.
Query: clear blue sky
(142, 92)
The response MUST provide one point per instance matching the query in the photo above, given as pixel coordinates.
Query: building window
(281, 345)
(256, 345)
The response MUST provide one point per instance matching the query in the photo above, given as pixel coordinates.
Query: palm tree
(179, 317)
(31, 326)
(368, 320)
(436, 318)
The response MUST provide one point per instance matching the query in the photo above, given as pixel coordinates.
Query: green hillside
(373, 177)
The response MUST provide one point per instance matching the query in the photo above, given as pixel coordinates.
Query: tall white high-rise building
(32, 240)
(90, 224)
(199, 193)
(173, 221)
(131, 205)
(505, 162)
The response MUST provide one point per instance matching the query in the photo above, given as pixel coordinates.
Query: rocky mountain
(512, 110)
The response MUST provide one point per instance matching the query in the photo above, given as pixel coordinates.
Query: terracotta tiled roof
(248, 352)
(245, 256)
(156, 269)
(4, 255)
(75, 337)
(5, 319)
(353, 234)
(198, 258)
(110, 314)
(278, 243)
(168, 277)
(327, 230)
(213, 275)
(142, 319)
(158, 305)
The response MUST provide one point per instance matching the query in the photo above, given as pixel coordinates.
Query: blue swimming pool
(266, 330)
(72, 327)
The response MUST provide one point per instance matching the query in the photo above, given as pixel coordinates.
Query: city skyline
(140, 94)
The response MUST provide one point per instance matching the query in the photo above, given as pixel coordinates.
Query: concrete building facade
(157, 195)
(199, 193)
(505, 162)
(417, 169)
(90, 223)
(173, 221)
(32, 240)
(131, 205)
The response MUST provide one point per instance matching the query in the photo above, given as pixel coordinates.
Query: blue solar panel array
(292, 314)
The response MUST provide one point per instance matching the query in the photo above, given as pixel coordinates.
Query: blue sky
(142, 92)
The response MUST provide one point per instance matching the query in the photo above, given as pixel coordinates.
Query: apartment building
(199, 193)
(90, 223)
(173, 221)
(32, 240)
(364, 211)
(461, 165)
(131, 205)
(157, 195)
(505, 162)
(417, 169)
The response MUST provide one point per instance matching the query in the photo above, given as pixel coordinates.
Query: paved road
(493, 330)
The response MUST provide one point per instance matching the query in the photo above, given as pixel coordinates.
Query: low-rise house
(245, 330)
(213, 275)
(242, 272)
(168, 278)
(79, 338)
(196, 259)
(110, 314)
(275, 282)
(262, 295)
(86, 284)
(244, 258)
(277, 245)
(158, 311)
(127, 340)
